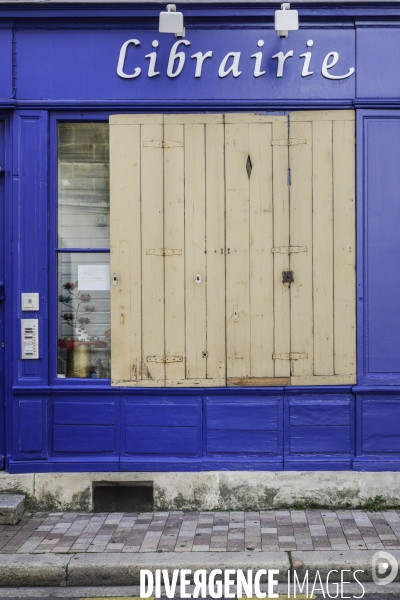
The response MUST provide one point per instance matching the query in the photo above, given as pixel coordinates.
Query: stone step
(12, 507)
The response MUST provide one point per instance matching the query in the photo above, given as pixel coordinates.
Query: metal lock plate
(287, 277)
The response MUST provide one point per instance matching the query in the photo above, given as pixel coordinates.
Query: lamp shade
(170, 22)
(286, 20)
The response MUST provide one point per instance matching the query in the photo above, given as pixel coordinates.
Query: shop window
(83, 251)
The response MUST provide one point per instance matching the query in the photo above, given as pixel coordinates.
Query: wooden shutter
(167, 250)
(257, 304)
(322, 219)
(207, 212)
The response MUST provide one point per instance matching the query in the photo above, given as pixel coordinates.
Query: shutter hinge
(162, 144)
(290, 356)
(288, 142)
(163, 252)
(164, 359)
(289, 249)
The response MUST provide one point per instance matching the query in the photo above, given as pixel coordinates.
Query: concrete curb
(116, 569)
(33, 570)
(124, 569)
(328, 560)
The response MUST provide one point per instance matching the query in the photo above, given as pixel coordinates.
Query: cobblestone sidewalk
(191, 532)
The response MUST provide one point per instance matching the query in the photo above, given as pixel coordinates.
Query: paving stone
(200, 532)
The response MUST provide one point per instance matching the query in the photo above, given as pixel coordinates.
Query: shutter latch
(290, 356)
(164, 359)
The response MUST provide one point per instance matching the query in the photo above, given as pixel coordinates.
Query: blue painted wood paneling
(246, 416)
(383, 244)
(377, 424)
(320, 439)
(161, 415)
(30, 425)
(319, 431)
(85, 425)
(161, 440)
(320, 413)
(163, 426)
(29, 428)
(83, 438)
(378, 70)
(6, 63)
(4, 247)
(30, 222)
(379, 431)
(239, 426)
(83, 413)
(246, 442)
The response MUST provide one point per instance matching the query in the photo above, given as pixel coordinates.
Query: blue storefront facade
(65, 70)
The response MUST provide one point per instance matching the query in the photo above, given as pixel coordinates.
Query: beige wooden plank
(193, 119)
(143, 383)
(215, 239)
(125, 251)
(136, 120)
(170, 383)
(237, 248)
(245, 118)
(281, 238)
(324, 380)
(152, 265)
(322, 115)
(261, 257)
(258, 381)
(190, 383)
(323, 247)
(344, 248)
(174, 237)
(301, 300)
(195, 257)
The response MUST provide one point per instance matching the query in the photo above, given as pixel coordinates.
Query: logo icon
(384, 568)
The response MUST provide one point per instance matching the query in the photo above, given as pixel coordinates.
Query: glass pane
(83, 185)
(84, 335)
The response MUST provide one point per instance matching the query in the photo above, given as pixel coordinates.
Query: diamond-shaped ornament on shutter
(249, 166)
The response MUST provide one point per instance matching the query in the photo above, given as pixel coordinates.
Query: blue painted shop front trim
(184, 430)
(58, 425)
(198, 430)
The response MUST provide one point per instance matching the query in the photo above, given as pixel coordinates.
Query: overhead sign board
(235, 64)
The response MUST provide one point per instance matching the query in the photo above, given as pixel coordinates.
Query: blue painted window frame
(55, 119)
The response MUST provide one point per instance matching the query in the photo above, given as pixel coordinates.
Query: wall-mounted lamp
(171, 21)
(286, 20)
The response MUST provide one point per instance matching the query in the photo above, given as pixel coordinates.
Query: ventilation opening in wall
(122, 496)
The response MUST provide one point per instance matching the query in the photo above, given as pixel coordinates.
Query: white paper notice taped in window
(93, 278)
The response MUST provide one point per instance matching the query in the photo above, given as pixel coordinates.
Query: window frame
(55, 119)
